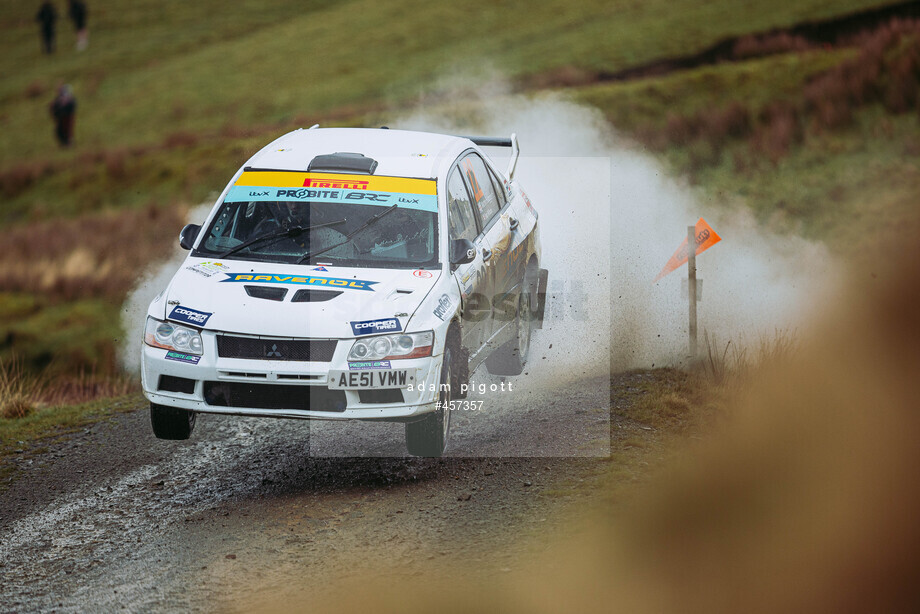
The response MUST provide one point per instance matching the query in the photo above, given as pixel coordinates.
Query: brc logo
(311, 182)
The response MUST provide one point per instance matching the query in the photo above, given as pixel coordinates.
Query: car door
(497, 239)
(470, 277)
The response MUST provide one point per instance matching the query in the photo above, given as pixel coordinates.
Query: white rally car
(349, 273)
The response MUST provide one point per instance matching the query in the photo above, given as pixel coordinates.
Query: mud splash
(611, 216)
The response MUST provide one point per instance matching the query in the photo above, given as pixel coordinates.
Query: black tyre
(171, 422)
(511, 357)
(428, 436)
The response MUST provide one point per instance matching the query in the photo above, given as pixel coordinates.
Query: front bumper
(281, 389)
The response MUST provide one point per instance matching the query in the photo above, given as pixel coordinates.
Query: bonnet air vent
(343, 162)
(272, 294)
(314, 296)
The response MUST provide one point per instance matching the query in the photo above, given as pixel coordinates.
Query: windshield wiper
(291, 232)
(349, 236)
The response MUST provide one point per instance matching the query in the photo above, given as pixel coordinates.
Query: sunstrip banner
(356, 284)
(275, 186)
(706, 237)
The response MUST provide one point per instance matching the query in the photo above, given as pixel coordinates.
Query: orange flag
(706, 237)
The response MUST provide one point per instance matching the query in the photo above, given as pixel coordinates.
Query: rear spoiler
(498, 141)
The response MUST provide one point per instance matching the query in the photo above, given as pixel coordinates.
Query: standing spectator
(77, 13)
(46, 16)
(63, 110)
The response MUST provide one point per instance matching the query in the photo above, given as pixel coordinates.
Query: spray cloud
(154, 280)
(610, 218)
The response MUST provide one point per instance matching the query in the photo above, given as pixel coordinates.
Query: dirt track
(114, 518)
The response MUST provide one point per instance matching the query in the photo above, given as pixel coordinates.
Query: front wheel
(428, 436)
(171, 422)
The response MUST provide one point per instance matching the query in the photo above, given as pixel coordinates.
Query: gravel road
(113, 518)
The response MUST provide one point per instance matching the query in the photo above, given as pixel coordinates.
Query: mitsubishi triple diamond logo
(273, 352)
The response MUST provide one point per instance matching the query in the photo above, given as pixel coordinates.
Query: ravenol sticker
(189, 358)
(357, 284)
(443, 306)
(369, 327)
(369, 364)
(190, 316)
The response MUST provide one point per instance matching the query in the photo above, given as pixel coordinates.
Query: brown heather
(18, 391)
(21, 177)
(23, 392)
(752, 46)
(777, 132)
(885, 70)
(95, 256)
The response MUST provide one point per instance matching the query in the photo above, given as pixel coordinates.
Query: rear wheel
(171, 422)
(428, 436)
(511, 357)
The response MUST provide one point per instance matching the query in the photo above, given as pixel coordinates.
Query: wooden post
(691, 286)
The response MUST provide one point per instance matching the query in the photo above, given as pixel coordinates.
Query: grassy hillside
(823, 142)
(157, 69)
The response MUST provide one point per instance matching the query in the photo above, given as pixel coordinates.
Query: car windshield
(283, 224)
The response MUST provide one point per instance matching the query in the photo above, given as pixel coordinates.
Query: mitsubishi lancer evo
(349, 274)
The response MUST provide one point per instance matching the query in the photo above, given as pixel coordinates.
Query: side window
(459, 214)
(499, 189)
(484, 197)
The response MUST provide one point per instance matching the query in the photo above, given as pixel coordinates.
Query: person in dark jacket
(77, 14)
(46, 17)
(63, 110)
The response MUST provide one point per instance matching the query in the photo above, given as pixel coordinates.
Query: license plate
(370, 379)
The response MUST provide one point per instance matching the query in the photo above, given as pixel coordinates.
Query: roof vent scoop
(343, 162)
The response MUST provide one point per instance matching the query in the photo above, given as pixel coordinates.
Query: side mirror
(188, 235)
(462, 251)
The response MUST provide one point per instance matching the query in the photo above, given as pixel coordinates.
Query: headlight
(171, 336)
(391, 347)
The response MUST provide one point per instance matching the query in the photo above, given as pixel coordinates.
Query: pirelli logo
(313, 182)
(336, 181)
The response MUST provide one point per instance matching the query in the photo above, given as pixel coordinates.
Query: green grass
(67, 337)
(185, 174)
(201, 67)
